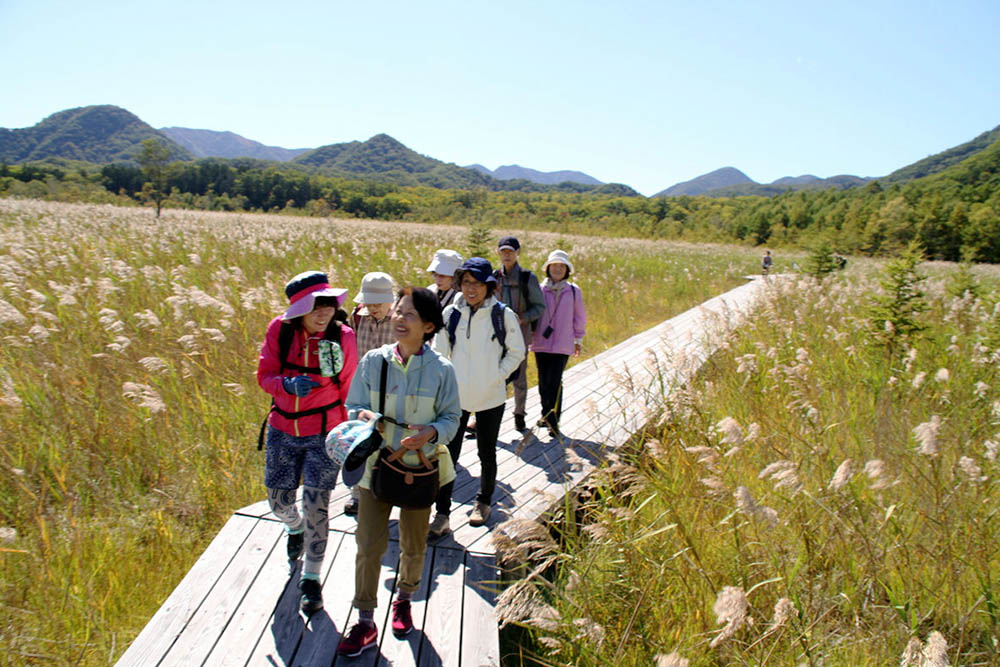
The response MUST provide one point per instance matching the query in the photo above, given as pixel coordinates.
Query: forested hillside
(96, 134)
(941, 161)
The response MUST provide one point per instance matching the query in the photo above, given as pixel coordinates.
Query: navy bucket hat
(478, 268)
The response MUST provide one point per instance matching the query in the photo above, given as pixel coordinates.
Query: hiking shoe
(402, 620)
(295, 545)
(360, 638)
(439, 526)
(519, 424)
(351, 507)
(480, 513)
(312, 595)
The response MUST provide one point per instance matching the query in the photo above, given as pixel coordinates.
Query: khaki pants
(373, 538)
(521, 383)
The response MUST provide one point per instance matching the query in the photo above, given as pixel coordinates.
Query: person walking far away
(519, 289)
(306, 365)
(443, 268)
(373, 328)
(482, 338)
(765, 263)
(559, 333)
(419, 395)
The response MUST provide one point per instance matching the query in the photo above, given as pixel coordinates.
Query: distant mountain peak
(224, 144)
(515, 171)
(720, 178)
(99, 133)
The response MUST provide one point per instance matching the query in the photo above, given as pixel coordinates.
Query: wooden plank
(325, 628)
(442, 620)
(480, 636)
(173, 616)
(248, 625)
(213, 616)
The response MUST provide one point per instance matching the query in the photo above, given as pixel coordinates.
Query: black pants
(487, 430)
(550, 372)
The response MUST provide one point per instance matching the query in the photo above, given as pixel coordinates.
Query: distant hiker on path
(519, 289)
(373, 329)
(306, 365)
(559, 334)
(443, 268)
(765, 263)
(482, 338)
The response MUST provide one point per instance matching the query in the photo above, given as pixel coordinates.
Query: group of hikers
(383, 397)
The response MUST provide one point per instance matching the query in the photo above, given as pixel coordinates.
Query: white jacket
(480, 371)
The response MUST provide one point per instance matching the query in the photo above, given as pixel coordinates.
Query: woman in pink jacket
(559, 334)
(306, 365)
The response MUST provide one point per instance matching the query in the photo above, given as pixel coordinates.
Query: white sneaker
(439, 526)
(480, 514)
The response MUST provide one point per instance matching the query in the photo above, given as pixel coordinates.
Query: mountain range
(514, 171)
(106, 134)
(731, 182)
(209, 143)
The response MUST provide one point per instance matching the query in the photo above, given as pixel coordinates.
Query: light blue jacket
(424, 391)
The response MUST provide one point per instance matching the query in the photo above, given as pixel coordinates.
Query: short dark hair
(425, 302)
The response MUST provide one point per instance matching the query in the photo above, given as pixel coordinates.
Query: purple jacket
(567, 317)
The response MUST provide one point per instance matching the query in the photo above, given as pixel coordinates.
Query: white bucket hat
(445, 262)
(557, 257)
(376, 287)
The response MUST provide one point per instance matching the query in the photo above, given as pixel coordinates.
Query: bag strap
(381, 385)
(453, 319)
(499, 329)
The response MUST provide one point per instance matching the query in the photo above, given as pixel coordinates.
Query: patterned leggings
(313, 520)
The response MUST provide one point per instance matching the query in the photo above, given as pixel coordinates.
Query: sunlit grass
(807, 499)
(128, 405)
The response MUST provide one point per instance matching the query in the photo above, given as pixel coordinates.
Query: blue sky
(643, 93)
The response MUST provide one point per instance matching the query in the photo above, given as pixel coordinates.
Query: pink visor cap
(303, 289)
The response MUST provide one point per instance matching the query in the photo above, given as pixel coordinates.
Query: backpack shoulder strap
(453, 320)
(525, 281)
(499, 330)
(381, 385)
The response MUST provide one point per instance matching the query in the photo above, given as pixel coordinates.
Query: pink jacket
(566, 315)
(304, 352)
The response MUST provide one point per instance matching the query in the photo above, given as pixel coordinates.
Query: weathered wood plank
(173, 616)
(480, 639)
(250, 622)
(324, 630)
(225, 598)
(442, 619)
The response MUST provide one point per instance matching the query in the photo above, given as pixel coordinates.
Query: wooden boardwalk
(238, 605)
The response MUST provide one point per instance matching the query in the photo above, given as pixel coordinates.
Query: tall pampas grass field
(826, 491)
(129, 410)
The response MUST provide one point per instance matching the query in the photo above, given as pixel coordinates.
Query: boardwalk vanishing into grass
(238, 605)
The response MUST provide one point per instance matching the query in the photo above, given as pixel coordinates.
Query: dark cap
(479, 268)
(509, 242)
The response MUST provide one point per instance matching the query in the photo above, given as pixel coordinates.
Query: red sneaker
(359, 639)
(402, 620)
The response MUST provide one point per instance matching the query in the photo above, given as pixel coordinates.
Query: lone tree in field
(154, 158)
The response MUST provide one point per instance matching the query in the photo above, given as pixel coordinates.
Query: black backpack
(499, 332)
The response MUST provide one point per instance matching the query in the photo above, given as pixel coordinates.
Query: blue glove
(300, 385)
